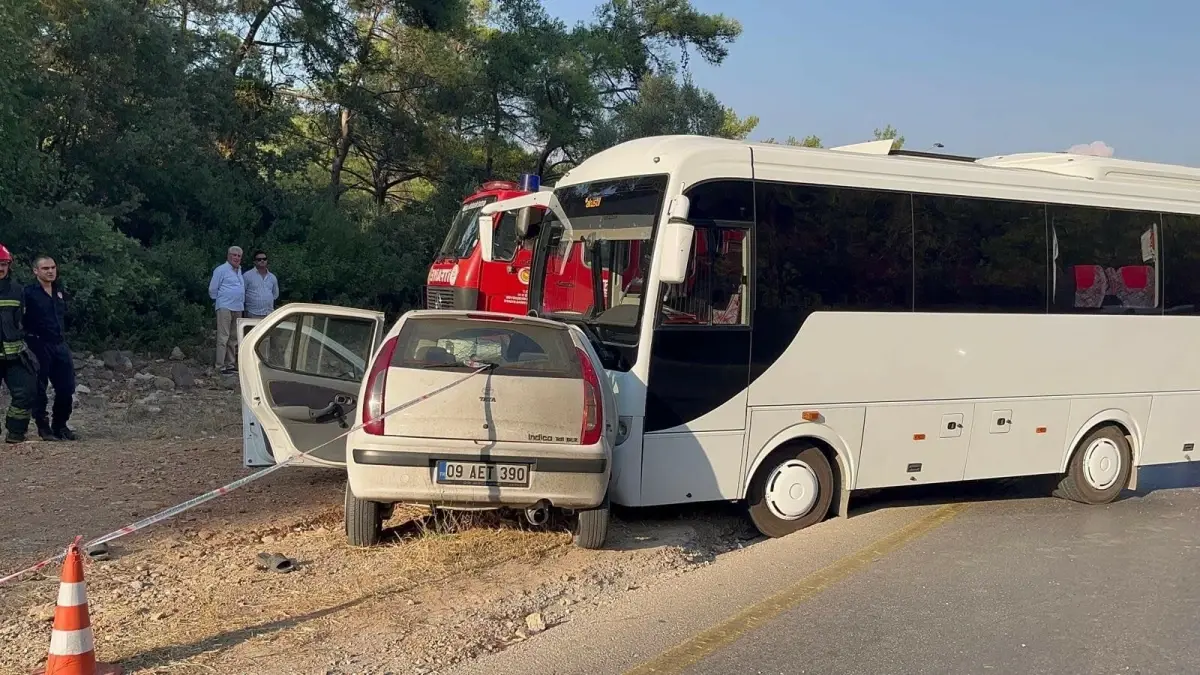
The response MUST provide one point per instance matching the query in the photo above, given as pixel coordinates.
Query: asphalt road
(1003, 581)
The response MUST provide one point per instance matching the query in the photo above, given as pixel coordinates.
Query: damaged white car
(454, 409)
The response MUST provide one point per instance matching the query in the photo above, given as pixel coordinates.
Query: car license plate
(482, 473)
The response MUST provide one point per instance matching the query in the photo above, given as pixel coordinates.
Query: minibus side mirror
(486, 232)
(676, 242)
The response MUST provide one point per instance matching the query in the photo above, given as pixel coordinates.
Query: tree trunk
(381, 192)
(544, 157)
(344, 141)
(493, 135)
(252, 34)
(341, 151)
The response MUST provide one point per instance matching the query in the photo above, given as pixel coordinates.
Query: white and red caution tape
(173, 511)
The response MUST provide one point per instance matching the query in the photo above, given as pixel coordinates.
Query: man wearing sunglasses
(262, 288)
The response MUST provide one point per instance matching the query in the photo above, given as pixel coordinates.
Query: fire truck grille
(439, 298)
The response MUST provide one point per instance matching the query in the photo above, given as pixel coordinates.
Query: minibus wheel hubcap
(1102, 463)
(792, 490)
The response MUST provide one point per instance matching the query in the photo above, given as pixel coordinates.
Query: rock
(177, 354)
(535, 623)
(118, 361)
(83, 389)
(206, 354)
(158, 616)
(182, 376)
(138, 586)
(43, 612)
(153, 409)
(230, 382)
(143, 377)
(164, 383)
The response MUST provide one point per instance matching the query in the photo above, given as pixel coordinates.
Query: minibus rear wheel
(792, 489)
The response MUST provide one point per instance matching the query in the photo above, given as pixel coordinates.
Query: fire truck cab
(459, 278)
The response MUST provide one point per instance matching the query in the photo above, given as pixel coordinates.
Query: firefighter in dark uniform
(45, 333)
(18, 367)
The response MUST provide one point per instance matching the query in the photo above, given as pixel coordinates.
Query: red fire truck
(460, 279)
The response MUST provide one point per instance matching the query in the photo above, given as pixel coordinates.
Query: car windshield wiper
(460, 364)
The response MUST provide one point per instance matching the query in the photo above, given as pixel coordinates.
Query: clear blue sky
(981, 77)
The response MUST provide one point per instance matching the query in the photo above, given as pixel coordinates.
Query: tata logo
(489, 395)
(445, 275)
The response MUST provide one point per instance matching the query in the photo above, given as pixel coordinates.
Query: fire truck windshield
(612, 225)
(463, 237)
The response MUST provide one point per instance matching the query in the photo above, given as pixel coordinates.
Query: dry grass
(217, 608)
(185, 596)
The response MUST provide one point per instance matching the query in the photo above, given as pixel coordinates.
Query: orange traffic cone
(72, 644)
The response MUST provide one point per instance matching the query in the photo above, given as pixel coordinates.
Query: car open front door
(301, 369)
(256, 451)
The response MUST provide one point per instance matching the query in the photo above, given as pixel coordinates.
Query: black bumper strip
(428, 459)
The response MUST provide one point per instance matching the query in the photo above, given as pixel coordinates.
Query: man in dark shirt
(45, 333)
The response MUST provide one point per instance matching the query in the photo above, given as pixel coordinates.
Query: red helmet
(5, 256)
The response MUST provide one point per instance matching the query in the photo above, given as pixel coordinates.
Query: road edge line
(694, 649)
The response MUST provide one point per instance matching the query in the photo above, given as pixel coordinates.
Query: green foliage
(735, 127)
(144, 138)
(815, 141)
(806, 142)
(890, 132)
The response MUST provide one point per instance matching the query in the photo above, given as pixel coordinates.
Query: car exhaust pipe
(538, 514)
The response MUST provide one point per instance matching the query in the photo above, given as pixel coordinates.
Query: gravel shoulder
(186, 596)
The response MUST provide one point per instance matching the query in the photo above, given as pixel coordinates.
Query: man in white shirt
(227, 288)
(262, 288)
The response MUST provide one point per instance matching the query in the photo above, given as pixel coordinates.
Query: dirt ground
(185, 596)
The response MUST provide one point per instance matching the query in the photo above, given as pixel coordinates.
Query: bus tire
(590, 527)
(364, 520)
(1099, 468)
(791, 490)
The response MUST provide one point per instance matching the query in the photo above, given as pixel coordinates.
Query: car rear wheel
(590, 528)
(364, 520)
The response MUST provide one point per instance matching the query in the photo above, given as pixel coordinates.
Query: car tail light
(372, 410)
(593, 408)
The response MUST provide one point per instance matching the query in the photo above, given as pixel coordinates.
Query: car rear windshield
(514, 348)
